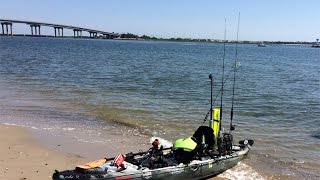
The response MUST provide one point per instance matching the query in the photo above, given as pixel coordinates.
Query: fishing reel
(232, 127)
(247, 142)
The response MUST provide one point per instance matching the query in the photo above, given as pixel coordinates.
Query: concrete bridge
(6, 25)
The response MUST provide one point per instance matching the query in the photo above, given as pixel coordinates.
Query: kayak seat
(207, 133)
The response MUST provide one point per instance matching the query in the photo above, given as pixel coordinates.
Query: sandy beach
(23, 158)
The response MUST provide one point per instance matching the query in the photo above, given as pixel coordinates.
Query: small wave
(241, 171)
(68, 129)
(10, 124)
(20, 125)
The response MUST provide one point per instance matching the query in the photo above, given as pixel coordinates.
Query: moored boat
(316, 44)
(261, 44)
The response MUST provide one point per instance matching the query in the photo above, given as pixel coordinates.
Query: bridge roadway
(6, 24)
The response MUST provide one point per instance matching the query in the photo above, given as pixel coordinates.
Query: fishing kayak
(133, 166)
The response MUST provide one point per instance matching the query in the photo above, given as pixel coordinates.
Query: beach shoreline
(22, 157)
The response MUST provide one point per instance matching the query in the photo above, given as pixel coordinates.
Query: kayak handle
(195, 167)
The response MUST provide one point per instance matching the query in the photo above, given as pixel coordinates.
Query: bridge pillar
(106, 36)
(2, 28)
(36, 28)
(58, 28)
(93, 34)
(5, 28)
(77, 33)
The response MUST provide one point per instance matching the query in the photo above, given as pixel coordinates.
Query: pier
(7, 24)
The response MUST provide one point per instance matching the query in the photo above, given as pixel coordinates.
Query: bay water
(99, 91)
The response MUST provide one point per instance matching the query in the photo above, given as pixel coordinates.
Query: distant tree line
(145, 37)
(129, 35)
(134, 36)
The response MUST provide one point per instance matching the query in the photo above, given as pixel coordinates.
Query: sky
(260, 20)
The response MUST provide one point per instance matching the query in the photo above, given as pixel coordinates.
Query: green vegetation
(130, 36)
(145, 37)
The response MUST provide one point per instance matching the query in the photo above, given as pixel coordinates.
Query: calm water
(162, 89)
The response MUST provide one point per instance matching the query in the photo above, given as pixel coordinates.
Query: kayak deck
(196, 169)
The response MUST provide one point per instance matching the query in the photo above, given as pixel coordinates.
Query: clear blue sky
(285, 20)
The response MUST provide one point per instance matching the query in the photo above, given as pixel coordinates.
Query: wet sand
(23, 158)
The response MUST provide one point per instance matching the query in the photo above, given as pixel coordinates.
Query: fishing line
(234, 76)
(224, 56)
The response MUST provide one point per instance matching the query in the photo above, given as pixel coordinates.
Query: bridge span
(6, 25)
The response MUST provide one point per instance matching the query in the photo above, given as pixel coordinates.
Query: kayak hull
(196, 169)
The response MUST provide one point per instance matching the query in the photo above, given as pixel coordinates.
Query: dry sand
(23, 158)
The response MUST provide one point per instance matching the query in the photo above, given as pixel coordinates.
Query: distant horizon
(286, 20)
(168, 39)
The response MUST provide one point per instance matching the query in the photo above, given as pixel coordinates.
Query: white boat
(261, 44)
(316, 44)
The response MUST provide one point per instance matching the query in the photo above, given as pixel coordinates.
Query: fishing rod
(218, 94)
(224, 56)
(211, 80)
(232, 69)
(232, 127)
